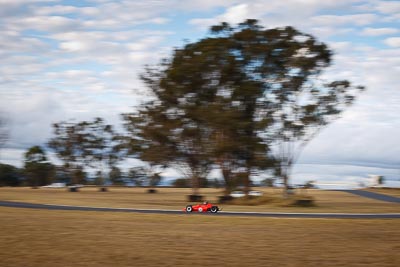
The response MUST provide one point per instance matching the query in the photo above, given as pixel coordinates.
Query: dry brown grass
(40, 238)
(175, 198)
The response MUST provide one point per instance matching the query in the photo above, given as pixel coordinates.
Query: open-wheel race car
(204, 207)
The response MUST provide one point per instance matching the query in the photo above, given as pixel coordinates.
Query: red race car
(204, 207)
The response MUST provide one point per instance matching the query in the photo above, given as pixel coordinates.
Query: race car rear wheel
(189, 208)
(214, 209)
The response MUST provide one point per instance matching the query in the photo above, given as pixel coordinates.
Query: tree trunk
(226, 174)
(285, 172)
(195, 185)
(285, 180)
(246, 183)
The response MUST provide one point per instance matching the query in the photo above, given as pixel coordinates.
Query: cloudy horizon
(78, 60)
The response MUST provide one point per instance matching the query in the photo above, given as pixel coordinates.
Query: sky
(63, 60)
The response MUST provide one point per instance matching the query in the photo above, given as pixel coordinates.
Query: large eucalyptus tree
(225, 100)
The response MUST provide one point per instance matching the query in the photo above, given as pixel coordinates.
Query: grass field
(174, 198)
(40, 238)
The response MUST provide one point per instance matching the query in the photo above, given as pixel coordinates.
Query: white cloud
(56, 9)
(357, 19)
(340, 46)
(327, 31)
(236, 14)
(14, 42)
(233, 15)
(64, 9)
(74, 46)
(282, 13)
(44, 23)
(378, 31)
(202, 4)
(393, 41)
(145, 43)
(22, 2)
(388, 6)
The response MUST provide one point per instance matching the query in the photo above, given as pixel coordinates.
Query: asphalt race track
(372, 195)
(223, 213)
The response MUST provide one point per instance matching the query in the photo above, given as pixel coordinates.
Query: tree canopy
(38, 170)
(233, 98)
(86, 144)
(10, 175)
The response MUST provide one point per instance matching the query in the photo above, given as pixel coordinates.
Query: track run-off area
(222, 213)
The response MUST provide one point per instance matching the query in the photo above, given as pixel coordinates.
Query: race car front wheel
(189, 208)
(214, 209)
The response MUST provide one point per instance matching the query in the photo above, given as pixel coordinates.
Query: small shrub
(224, 199)
(299, 201)
(304, 203)
(195, 198)
(274, 200)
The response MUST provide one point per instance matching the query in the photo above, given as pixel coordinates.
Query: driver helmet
(205, 202)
